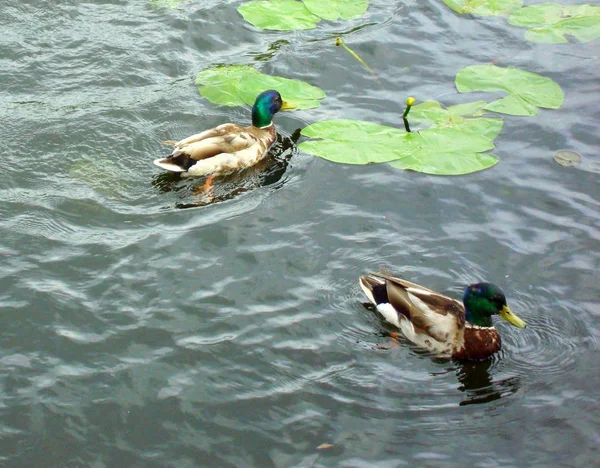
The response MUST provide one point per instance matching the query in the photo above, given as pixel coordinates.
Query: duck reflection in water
(205, 191)
(476, 378)
(476, 381)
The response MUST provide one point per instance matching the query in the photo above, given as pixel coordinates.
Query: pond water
(138, 333)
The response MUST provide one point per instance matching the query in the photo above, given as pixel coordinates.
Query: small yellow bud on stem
(409, 103)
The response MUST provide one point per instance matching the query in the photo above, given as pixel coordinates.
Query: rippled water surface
(138, 333)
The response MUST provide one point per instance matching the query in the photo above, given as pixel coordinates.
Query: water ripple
(234, 331)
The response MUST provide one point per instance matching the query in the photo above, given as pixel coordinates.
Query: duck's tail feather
(374, 289)
(168, 164)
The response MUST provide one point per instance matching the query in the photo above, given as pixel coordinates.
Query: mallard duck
(228, 147)
(438, 323)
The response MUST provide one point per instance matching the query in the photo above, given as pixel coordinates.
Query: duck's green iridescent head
(482, 300)
(267, 104)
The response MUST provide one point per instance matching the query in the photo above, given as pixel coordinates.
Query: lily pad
(442, 151)
(527, 91)
(220, 84)
(484, 7)
(454, 117)
(448, 152)
(237, 85)
(334, 9)
(354, 141)
(278, 15)
(549, 23)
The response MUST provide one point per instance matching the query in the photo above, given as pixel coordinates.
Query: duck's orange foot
(208, 184)
(393, 343)
(206, 187)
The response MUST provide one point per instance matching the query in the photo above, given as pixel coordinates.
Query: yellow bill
(511, 318)
(287, 105)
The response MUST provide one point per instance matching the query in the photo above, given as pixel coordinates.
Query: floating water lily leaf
(452, 117)
(333, 9)
(442, 151)
(475, 108)
(278, 15)
(527, 91)
(299, 93)
(550, 22)
(484, 7)
(220, 84)
(355, 142)
(446, 151)
(237, 85)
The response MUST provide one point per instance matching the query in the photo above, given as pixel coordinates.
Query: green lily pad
(454, 117)
(332, 10)
(237, 85)
(354, 141)
(442, 151)
(220, 84)
(278, 15)
(448, 152)
(549, 23)
(484, 7)
(527, 91)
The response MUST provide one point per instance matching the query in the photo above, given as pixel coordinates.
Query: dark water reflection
(476, 381)
(479, 381)
(136, 333)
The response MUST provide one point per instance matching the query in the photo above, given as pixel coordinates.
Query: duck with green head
(228, 147)
(438, 323)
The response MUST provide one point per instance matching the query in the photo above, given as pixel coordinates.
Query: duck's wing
(229, 143)
(227, 138)
(224, 139)
(210, 133)
(432, 313)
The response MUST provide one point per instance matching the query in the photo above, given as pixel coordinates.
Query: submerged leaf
(278, 15)
(101, 173)
(167, 3)
(549, 22)
(237, 85)
(527, 91)
(484, 7)
(334, 9)
(567, 158)
(324, 446)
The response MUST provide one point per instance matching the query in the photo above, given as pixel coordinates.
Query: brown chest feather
(479, 343)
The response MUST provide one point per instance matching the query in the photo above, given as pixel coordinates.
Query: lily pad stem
(409, 103)
(340, 42)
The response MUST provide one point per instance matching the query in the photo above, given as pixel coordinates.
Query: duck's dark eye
(499, 300)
